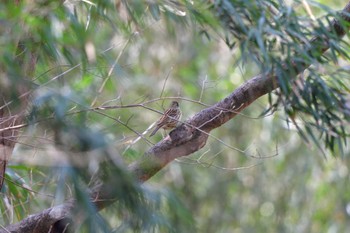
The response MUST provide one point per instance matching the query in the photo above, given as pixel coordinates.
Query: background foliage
(259, 173)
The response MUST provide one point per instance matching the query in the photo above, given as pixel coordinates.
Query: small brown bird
(169, 119)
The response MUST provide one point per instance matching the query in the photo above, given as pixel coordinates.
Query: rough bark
(184, 140)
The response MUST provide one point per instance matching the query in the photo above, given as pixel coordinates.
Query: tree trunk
(15, 91)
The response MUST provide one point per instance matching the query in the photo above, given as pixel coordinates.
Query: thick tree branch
(193, 134)
(184, 140)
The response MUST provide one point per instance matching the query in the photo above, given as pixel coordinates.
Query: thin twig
(202, 89)
(165, 81)
(111, 70)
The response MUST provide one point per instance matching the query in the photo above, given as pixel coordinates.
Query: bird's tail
(155, 131)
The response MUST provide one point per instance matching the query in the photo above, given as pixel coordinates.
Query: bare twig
(111, 70)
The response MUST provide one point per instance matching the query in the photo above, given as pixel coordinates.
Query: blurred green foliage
(261, 177)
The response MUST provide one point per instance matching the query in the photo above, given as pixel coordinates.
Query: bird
(169, 119)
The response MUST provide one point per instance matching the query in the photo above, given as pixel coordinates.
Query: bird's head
(174, 104)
